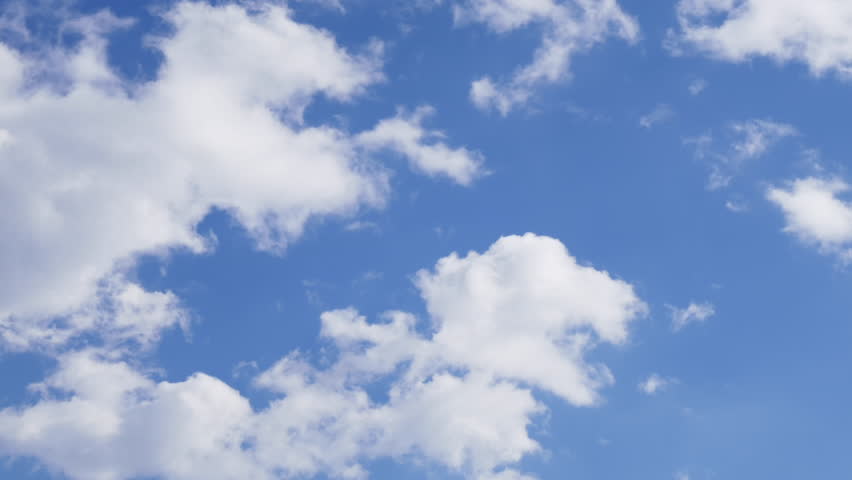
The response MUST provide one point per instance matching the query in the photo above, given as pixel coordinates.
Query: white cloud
(654, 384)
(405, 135)
(505, 15)
(122, 314)
(697, 86)
(816, 215)
(817, 33)
(362, 225)
(747, 140)
(661, 113)
(736, 206)
(568, 28)
(331, 4)
(461, 400)
(527, 297)
(115, 423)
(134, 427)
(94, 176)
(758, 135)
(244, 366)
(103, 169)
(470, 423)
(693, 313)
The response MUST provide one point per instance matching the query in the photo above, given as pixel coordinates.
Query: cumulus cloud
(654, 384)
(568, 27)
(122, 314)
(693, 313)
(103, 420)
(553, 307)
(816, 214)
(405, 135)
(817, 33)
(97, 169)
(505, 323)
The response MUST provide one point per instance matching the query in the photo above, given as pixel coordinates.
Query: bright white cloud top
(100, 170)
(568, 27)
(817, 33)
(405, 135)
(526, 297)
(462, 399)
(272, 239)
(816, 214)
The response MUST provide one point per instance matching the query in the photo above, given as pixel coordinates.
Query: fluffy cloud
(526, 297)
(506, 322)
(405, 135)
(817, 33)
(103, 420)
(654, 384)
(97, 169)
(569, 27)
(693, 313)
(816, 215)
(122, 314)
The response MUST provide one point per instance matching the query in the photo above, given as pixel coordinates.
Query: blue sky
(295, 240)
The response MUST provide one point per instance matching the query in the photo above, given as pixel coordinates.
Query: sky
(425, 239)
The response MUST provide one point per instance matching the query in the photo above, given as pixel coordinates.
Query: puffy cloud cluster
(817, 33)
(96, 169)
(527, 298)
(122, 315)
(101, 419)
(816, 214)
(460, 393)
(569, 27)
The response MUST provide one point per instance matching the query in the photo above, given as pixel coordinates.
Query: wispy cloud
(693, 313)
(660, 114)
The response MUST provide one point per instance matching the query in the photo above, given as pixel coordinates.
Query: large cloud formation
(460, 391)
(817, 33)
(97, 168)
